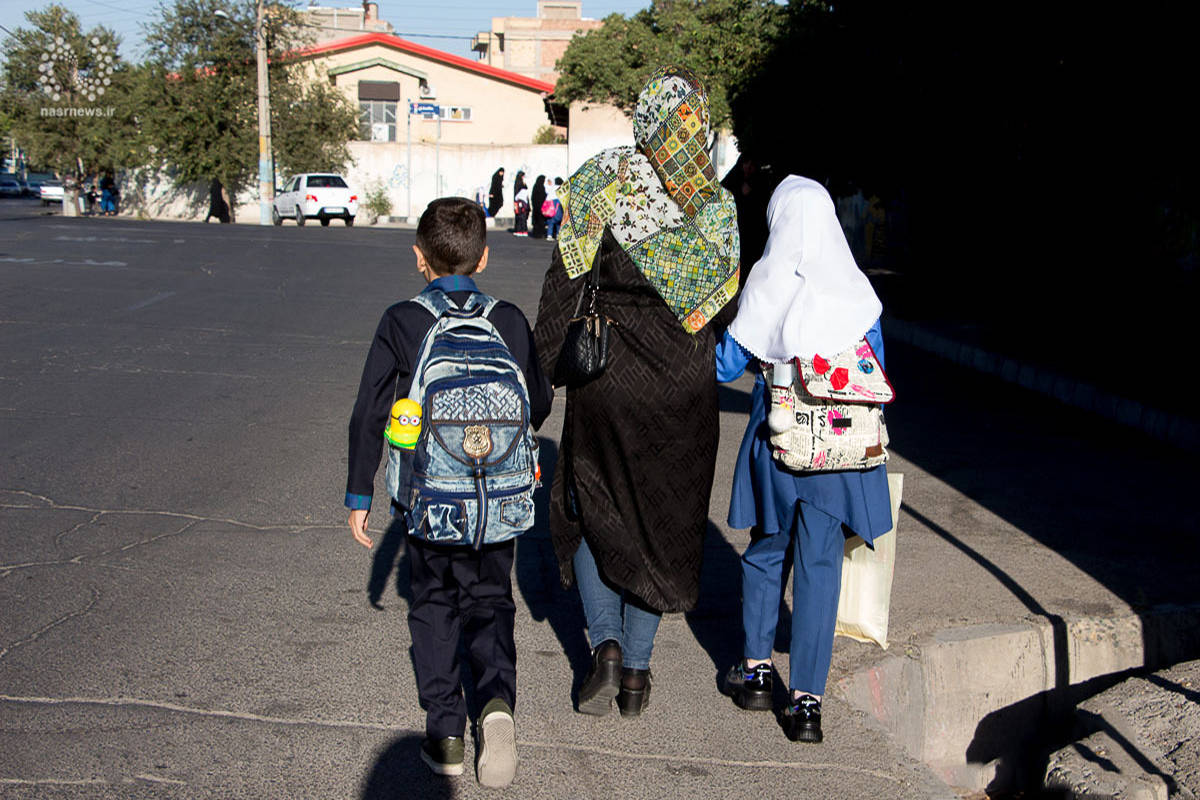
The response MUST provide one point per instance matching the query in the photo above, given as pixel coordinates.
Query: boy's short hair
(452, 235)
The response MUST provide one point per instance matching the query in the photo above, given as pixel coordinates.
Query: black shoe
(749, 687)
(603, 680)
(635, 692)
(802, 719)
(443, 756)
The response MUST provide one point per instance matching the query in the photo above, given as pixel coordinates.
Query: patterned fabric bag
(470, 478)
(837, 407)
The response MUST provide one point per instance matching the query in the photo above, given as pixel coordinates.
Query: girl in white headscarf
(804, 297)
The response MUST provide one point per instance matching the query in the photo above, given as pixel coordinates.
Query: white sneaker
(497, 762)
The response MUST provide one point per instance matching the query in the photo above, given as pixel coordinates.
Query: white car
(320, 196)
(51, 192)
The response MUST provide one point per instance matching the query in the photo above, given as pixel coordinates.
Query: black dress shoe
(749, 687)
(603, 681)
(802, 719)
(635, 692)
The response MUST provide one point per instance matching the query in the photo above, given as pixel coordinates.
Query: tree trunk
(228, 202)
(70, 205)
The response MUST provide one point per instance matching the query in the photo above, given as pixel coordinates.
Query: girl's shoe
(635, 692)
(802, 719)
(603, 680)
(750, 687)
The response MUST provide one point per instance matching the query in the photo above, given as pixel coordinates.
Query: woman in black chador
(629, 502)
(496, 193)
(536, 198)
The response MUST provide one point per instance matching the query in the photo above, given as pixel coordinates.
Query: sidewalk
(1057, 538)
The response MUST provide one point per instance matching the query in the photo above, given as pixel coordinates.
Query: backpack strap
(438, 303)
(476, 307)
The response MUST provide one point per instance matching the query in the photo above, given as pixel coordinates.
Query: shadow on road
(389, 558)
(540, 584)
(399, 772)
(1113, 503)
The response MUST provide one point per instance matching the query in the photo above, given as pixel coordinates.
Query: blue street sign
(423, 108)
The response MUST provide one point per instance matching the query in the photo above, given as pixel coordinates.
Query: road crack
(4, 651)
(808, 766)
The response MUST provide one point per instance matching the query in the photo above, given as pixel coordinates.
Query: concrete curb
(1163, 425)
(971, 732)
(1139, 739)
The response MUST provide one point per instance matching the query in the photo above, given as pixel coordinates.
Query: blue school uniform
(814, 511)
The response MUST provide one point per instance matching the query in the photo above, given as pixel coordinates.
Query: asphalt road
(186, 615)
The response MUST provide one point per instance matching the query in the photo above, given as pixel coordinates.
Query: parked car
(320, 196)
(11, 187)
(52, 192)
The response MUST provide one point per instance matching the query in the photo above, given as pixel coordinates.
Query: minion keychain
(404, 426)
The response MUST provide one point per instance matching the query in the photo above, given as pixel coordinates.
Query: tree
(199, 97)
(66, 98)
(720, 40)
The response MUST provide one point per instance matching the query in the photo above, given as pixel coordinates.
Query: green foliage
(548, 134)
(66, 96)
(376, 201)
(721, 40)
(199, 98)
(311, 126)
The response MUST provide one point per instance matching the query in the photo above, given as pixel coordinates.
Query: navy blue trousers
(461, 592)
(818, 544)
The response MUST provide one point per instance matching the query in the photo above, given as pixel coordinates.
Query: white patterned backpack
(469, 480)
(829, 416)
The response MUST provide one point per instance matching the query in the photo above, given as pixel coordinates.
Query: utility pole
(408, 176)
(266, 164)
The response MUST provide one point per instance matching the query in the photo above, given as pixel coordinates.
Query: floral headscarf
(662, 202)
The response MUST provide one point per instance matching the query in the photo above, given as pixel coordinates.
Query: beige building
(532, 45)
(475, 103)
(327, 23)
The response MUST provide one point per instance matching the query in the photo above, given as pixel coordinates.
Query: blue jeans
(612, 616)
(552, 224)
(817, 544)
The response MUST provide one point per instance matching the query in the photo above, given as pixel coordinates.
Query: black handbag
(584, 353)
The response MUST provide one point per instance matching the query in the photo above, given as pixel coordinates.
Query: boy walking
(460, 564)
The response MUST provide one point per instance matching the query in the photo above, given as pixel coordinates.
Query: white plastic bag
(866, 596)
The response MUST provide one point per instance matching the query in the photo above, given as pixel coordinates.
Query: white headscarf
(805, 295)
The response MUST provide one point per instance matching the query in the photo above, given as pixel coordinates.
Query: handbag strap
(590, 294)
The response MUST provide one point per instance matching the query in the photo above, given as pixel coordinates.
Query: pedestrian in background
(536, 198)
(496, 193)
(554, 222)
(521, 209)
(108, 195)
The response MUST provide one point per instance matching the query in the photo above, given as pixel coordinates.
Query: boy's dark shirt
(388, 368)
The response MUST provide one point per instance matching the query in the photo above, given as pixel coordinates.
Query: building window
(377, 120)
(456, 113)
(377, 101)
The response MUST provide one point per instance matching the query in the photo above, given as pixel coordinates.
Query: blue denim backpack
(470, 478)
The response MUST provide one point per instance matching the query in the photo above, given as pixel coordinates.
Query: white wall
(595, 127)
(452, 170)
(436, 172)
